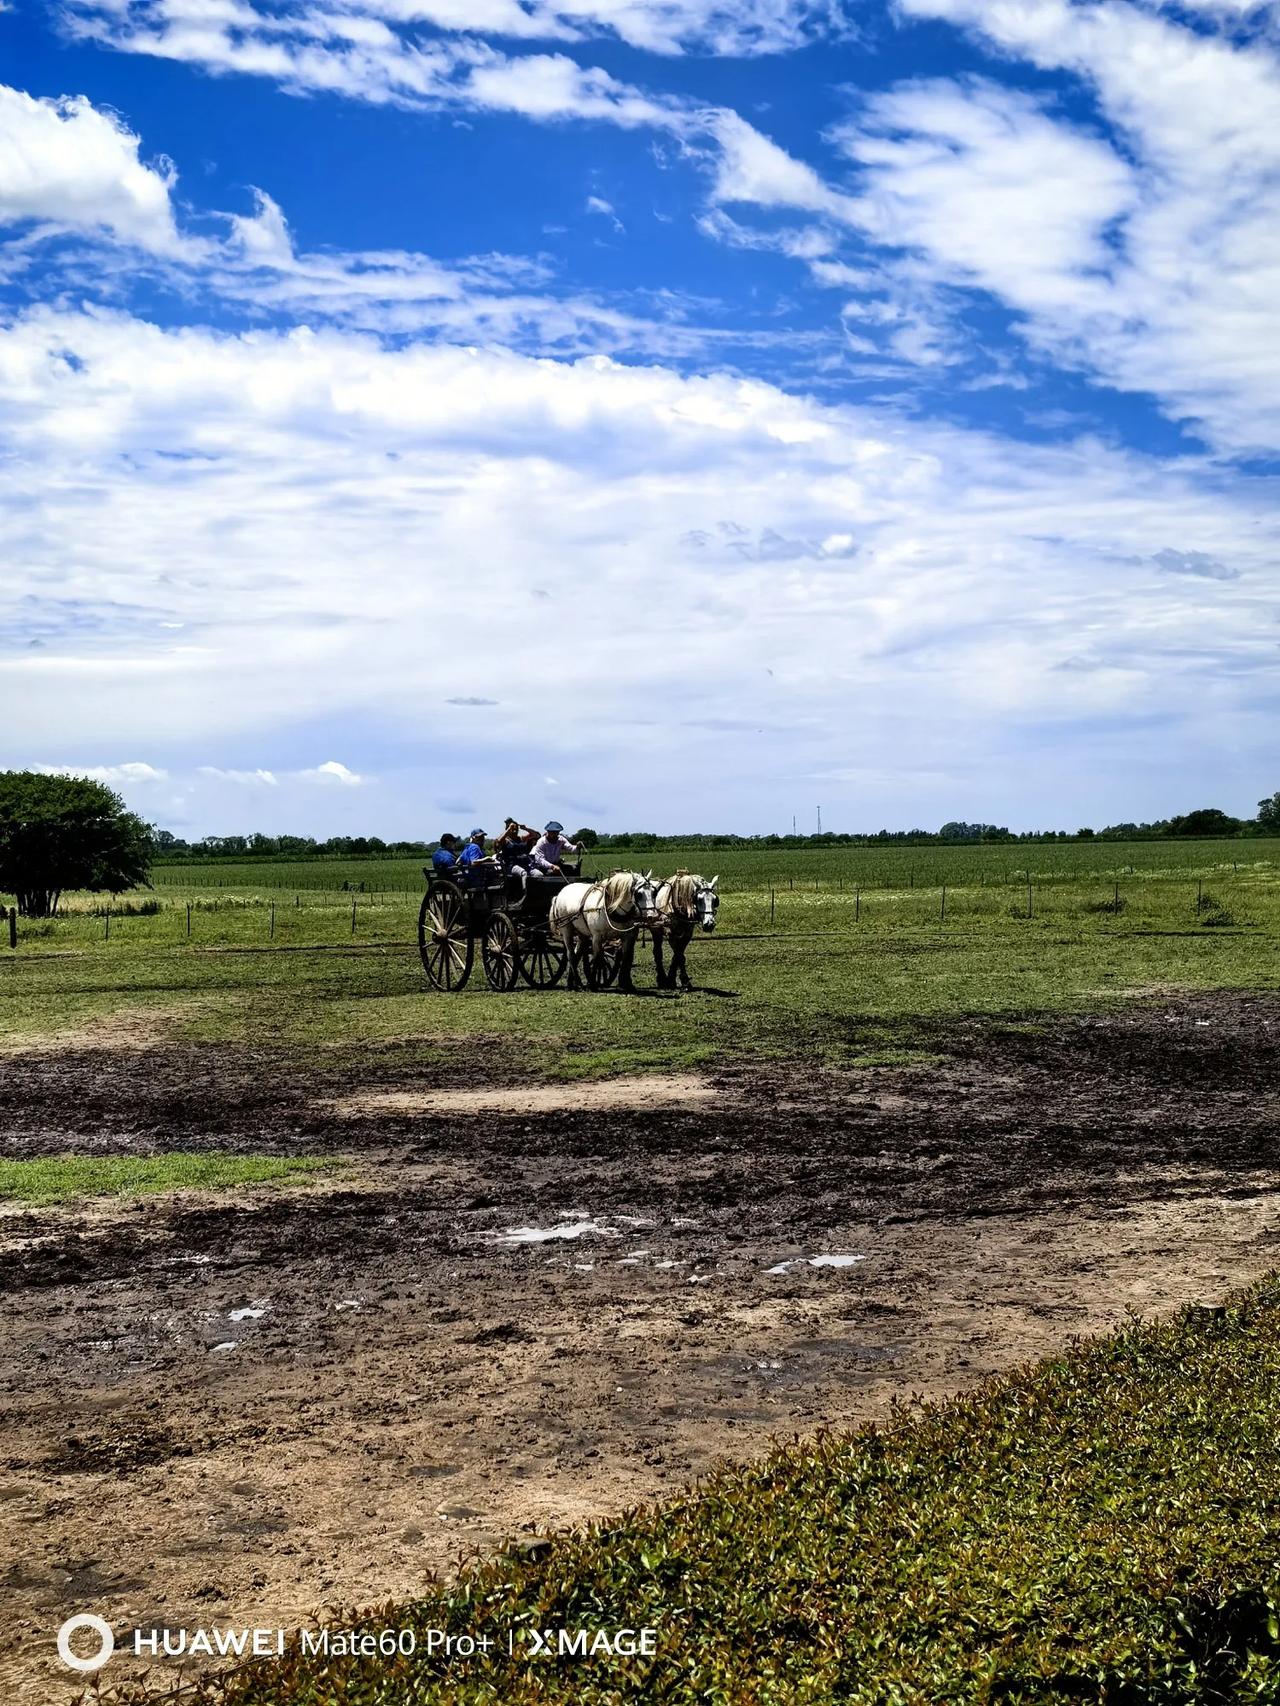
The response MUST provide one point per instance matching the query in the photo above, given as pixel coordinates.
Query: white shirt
(547, 853)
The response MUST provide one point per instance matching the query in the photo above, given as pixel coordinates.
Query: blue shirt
(442, 859)
(473, 851)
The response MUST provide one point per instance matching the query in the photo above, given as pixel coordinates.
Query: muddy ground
(510, 1312)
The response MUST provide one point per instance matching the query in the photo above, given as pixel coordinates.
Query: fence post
(1199, 893)
(944, 902)
(353, 917)
(1030, 912)
(1115, 904)
(188, 921)
(272, 932)
(13, 926)
(108, 934)
(772, 899)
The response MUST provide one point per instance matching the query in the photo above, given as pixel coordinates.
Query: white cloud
(347, 511)
(751, 168)
(131, 774)
(1182, 302)
(606, 209)
(332, 771)
(67, 165)
(242, 778)
(983, 181)
(210, 29)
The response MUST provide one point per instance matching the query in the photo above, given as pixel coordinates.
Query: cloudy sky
(658, 413)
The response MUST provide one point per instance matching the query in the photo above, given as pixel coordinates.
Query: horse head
(706, 902)
(645, 895)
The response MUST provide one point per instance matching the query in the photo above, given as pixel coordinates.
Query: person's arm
(539, 855)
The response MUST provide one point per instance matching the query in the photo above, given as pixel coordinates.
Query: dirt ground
(514, 1311)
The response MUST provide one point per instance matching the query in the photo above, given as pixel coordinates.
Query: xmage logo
(588, 1644)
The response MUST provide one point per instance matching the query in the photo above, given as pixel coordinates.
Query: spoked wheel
(610, 960)
(544, 961)
(500, 952)
(444, 937)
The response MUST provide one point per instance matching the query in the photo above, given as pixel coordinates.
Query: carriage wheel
(500, 952)
(610, 960)
(544, 961)
(444, 937)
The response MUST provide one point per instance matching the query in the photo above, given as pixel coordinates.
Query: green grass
(1105, 1527)
(896, 1057)
(829, 980)
(68, 1178)
(739, 868)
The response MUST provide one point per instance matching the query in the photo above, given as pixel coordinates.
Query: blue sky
(659, 413)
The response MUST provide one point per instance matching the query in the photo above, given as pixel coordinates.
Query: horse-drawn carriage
(522, 933)
(506, 912)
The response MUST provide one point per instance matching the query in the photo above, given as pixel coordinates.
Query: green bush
(1105, 1526)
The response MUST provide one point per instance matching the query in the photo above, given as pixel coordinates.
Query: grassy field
(69, 1178)
(1105, 1526)
(748, 870)
(837, 973)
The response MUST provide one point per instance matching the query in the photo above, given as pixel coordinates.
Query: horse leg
(571, 939)
(678, 945)
(659, 971)
(625, 960)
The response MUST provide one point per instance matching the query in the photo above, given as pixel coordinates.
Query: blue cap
(476, 832)
(554, 828)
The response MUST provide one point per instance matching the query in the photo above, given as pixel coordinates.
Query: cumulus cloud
(917, 583)
(332, 771)
(67, 165)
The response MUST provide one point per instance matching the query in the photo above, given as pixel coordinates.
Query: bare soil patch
(679, 1089)
(231, 1411)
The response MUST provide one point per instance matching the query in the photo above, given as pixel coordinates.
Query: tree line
(64, 833)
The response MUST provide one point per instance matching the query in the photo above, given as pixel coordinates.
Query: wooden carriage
(507, 917)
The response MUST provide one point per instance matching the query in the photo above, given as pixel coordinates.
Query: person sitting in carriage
(476, 861)
(514, 846)
(445, 856)
(548, 853)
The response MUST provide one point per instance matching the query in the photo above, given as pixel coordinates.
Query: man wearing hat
(445, 856)
(474, 855)
(550, 849)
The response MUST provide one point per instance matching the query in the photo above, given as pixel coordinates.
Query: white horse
(596, 913)
(686, 903)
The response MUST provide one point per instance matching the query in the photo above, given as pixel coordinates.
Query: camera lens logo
(100, 1627)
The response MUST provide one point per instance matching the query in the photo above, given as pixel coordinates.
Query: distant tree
(1207, 821)
(1269, 815)
(585, 837)
(59, 833)
(1084, 835)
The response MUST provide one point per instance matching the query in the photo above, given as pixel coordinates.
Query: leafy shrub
(1103, 1527)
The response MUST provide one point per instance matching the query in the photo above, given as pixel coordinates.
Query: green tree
(1208, 820)
(59, 833)
(585, 838)
(1269, 815)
